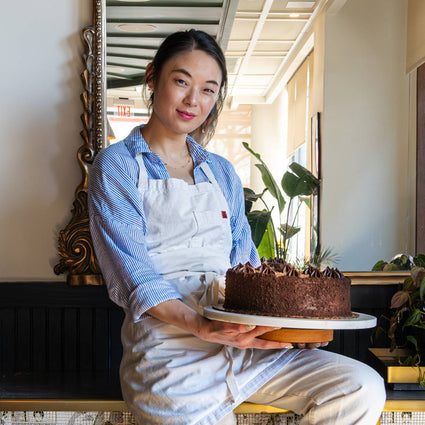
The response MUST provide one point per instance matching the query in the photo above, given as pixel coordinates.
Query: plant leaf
(419, 260)
(422, 288)
(412, 339)
(414, 318)
(306, 200)
(390, 266)
(257, 155)
(300, 182)
(266, 248)
(399, 298)
(302, 172)
(288, 231)
(418, 273)
(250, 197)
(378, 266)
(249, 201)
(267, 177)
(272, 186)
(408, 284)
(258, 221)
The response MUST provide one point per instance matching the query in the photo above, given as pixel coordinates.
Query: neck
(163, 141)
(173, 151)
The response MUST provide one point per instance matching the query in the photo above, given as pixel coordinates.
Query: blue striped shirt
(118, 226)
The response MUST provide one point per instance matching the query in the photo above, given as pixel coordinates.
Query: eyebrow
(183, 71)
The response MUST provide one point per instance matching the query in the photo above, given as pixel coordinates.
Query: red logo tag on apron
(224, 214)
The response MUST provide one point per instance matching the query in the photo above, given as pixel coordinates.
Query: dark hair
(186, 41)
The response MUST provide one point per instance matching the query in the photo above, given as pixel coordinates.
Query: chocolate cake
(277, 289)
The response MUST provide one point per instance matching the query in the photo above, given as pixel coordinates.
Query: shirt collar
(136, 144)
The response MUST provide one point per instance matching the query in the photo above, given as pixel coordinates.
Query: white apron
(169, 376)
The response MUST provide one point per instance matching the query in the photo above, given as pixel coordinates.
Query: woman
(166, 216)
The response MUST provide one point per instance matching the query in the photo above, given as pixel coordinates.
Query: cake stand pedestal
(299, 335)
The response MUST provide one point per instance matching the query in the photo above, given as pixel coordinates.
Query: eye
(210, 91)
(180, 82)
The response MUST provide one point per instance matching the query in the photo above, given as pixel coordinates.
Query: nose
(192, 97)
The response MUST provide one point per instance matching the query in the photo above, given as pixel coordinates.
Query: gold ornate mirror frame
(74, 242)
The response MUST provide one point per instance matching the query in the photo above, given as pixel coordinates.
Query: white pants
(327, 388)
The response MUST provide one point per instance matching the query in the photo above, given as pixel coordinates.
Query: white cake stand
(293, 329)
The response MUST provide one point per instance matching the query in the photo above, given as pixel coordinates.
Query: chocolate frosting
(276, 264)
(289, 270)
(335, 273)
(312, 272)
(244, 268)
(266, 269)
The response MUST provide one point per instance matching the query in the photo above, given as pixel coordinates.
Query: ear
(150, 76)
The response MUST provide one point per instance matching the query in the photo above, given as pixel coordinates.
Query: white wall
(40, 124)
(365, 204)
(268, 135)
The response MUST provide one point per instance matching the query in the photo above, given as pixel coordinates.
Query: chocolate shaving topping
(248, 268)
(266, 269)
(293, 272)
(238, 268)
(316, 273)
(276, 264)
(289, 270)
(335, 273)
(312, 272)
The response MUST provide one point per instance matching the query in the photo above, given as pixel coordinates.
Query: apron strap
(232, 386)
(207, 171)
(143, 174)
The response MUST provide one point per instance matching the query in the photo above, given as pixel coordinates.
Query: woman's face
(187, 90)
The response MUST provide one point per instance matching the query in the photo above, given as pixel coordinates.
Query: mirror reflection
(300, 73)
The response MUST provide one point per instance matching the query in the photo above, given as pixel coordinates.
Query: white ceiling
(264, 41)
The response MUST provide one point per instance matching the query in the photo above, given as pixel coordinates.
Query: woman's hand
(177, 313)
(247, 336)
(239, 336)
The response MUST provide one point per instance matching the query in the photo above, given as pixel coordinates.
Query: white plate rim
(362, 321)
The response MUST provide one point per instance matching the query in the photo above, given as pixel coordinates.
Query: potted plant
(405, 325)
(298, 184)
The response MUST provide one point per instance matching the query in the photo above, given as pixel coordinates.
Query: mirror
(74, 242)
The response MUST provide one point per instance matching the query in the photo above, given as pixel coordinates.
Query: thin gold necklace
(189, 159)
(180, 166)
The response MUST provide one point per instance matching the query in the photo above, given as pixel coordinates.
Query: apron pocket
(212, 227)
(161, 234)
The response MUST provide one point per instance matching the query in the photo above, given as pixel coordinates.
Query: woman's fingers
(247, 336)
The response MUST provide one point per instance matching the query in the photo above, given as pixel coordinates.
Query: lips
(186, 115)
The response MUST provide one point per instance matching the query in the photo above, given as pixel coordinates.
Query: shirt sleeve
(117, 226)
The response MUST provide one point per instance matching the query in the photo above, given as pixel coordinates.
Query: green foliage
(298, 184)
(266, 248)
(405, 327)
(400, 262)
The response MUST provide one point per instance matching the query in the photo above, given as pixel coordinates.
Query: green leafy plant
(405, 326)
(400, 262)
(298, 184)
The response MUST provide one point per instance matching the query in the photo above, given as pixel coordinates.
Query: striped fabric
(118, 227)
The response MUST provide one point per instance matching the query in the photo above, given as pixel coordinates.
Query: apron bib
(169, 376)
